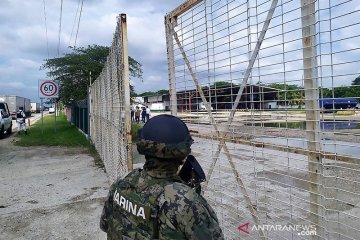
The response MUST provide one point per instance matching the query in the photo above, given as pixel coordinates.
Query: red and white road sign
(48, 89)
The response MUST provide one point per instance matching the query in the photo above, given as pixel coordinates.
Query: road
(49, 192)
(34, 117)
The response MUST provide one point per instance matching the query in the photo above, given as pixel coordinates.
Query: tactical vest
(135, 209)
(19, 115)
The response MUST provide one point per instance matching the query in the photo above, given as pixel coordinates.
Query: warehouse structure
(220, 98)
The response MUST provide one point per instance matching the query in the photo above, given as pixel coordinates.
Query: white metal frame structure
(259, 176)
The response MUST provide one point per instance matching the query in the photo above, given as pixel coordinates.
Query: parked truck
(16, 103)
(337, 103)
(35, 107)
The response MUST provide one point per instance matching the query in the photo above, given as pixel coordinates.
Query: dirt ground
(58, 193)
(49, 192)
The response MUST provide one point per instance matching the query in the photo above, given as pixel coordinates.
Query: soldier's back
(185, 211)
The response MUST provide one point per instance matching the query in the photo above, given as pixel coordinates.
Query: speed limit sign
(48, 89)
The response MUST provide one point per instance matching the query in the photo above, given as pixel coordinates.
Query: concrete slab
(50, 193)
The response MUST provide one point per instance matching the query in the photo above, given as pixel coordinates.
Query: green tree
(340, 92)
(222, 84)
(162, 92)
(289, 94)
(149, 93)
(72, 71)
(325, 93)
(356, 81)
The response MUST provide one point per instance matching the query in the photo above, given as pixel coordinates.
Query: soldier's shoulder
(178, 188)
(128, 177)
(133, 173)
(180, 193)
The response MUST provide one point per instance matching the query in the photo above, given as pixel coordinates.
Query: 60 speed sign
(48, 89)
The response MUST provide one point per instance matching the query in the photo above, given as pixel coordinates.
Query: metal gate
(251, 79)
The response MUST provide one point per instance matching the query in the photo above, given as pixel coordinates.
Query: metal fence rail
(110, 107)
(269, 89)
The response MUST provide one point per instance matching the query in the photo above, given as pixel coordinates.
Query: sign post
(49, 89)
(42, 116)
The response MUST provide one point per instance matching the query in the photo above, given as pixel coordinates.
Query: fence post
(171, 65)
(312, 112)
(89, 111)
(125, 77)
(83, 125)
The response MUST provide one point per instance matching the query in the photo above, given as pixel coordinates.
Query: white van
(5, 120)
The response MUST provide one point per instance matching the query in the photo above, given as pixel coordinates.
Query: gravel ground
(277, 182)
(242, 125)
(58, 193)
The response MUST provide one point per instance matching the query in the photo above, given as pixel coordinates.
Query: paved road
(49, 192)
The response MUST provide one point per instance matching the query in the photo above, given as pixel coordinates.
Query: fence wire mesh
(110, 107)
(270, 91)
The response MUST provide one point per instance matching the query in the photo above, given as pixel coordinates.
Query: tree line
(295, 95)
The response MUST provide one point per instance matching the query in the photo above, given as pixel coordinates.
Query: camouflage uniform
(182, 213)
(155, 203)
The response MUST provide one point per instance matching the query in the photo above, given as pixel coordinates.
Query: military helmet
(165, 136)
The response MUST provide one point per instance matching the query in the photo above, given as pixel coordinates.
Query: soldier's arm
(107, 209)
(204, 222)
(188, 212)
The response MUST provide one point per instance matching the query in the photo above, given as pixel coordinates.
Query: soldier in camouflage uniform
(154, 203)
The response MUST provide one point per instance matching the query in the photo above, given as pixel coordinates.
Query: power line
(77, 31)
(58, 47)
(46, 32)
(72, 30)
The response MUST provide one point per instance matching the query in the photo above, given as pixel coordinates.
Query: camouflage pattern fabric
(182, 213)
(162, 150)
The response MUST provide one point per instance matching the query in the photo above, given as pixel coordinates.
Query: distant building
(137, 102)
(223, 98)
(158, 102)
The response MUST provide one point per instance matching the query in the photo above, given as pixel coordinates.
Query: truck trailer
(16, 103)
(337, 103)
(35, 107)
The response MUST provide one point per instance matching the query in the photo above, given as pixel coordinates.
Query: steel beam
(183, 8)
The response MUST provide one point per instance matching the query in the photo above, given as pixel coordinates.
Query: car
(5, 120)
(51, 110)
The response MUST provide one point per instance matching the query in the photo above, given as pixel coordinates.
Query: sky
(24, 39)
(234, 30)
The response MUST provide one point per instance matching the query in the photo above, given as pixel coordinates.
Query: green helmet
(165, 136)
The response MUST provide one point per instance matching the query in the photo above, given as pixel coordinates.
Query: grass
(345, 112)
(44, 135)
(66, 135)
(134, 131)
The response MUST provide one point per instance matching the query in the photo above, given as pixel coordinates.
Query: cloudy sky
(23, 38)
(24, 41)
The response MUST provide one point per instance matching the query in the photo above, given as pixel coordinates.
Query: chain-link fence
(110, 107)
(270, 90)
